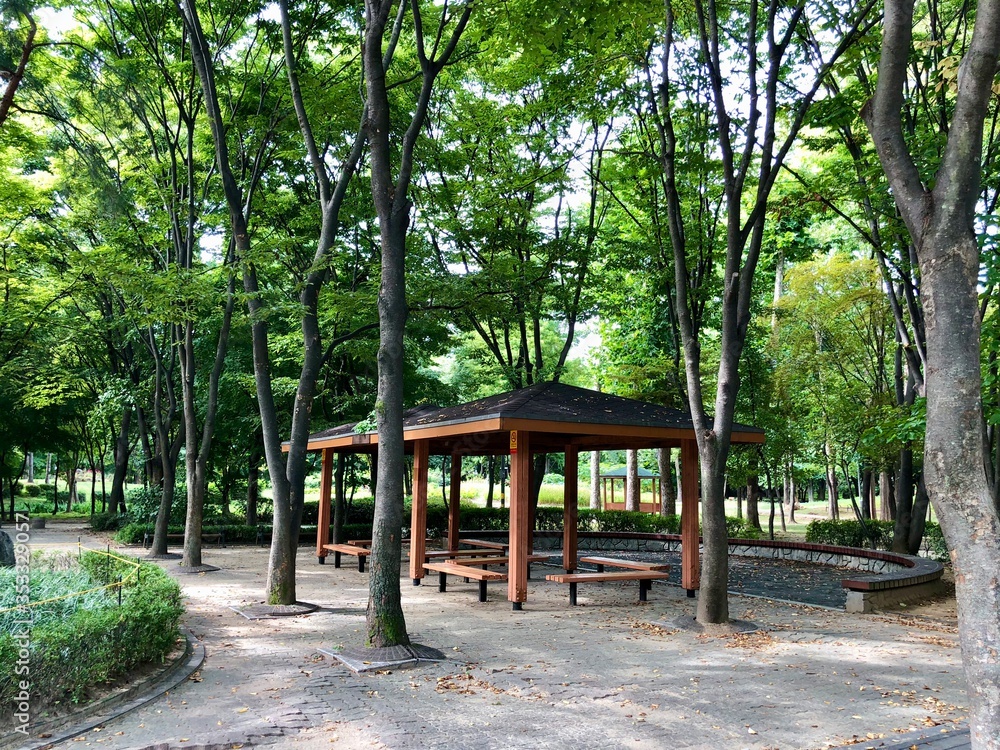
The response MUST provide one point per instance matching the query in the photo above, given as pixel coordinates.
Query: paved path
(552, 676)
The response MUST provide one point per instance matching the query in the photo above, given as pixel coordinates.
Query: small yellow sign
(513, 442)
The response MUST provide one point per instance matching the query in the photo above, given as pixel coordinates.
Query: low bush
(107, 521)
(31, 490)
(874, 534)
(90, 640)
(934, 542)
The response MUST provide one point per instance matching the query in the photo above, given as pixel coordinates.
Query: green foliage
(934, 540)
(107, 521)
(96, 642)
(850, 533)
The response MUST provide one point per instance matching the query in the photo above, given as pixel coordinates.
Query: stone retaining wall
(887, 577)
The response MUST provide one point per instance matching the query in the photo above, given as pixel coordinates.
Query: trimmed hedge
(359, 522)
(93, 646)
(850, 533)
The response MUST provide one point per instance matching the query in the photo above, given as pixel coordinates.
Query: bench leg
(643, 588)
(572, 593)
(361, 563)
(336, 559)
(321, 559)
(690, 593)
(416, 581)
(482, 590)
(600, 568)
(442, 581)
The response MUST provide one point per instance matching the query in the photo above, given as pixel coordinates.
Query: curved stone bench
(884, 577)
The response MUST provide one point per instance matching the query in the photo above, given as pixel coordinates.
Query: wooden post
(325, 506)
(454, 500)
(418, 515)
(520, 532)
(570, 506)
(690, 551)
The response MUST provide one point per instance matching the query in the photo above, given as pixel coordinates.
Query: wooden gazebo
(608, 479)
(543, 418)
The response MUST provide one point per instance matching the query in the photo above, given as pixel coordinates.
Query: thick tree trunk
(904, 502)
(668, 498)
(121, 463)
(953, 464)
(886, 503)
(713, 599)
(918, 517)
(595, 480)
(632, 494)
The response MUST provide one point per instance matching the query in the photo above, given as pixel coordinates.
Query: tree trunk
(48, 468)
(491, 463)
(55, 488)
(632, 494)
(941, 223)
(886, 502)
(31, 468)
(668, 498)
(121, 463)
(904, 502)
(713, 599)
(867, 494)
(753, 499)
(595, 480)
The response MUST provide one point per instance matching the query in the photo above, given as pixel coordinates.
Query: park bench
(449, 554)
(347, 549)
(217, 538)
(644, 577)
(485, 562)
(484, 544)
(444, 569)
(616, 562)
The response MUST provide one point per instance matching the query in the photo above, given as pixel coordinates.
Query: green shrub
(96, 644)
(850, 533)
(740, 528)
(31, 490)
(934, 541)
(107, 521)
(143, 502)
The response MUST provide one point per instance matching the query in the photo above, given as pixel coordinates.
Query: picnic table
(635, 570)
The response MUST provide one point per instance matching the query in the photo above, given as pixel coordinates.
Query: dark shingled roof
(348, 429)
(551, 402)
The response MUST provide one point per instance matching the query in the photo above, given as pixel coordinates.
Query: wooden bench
(484, 544)
(217, 538)
(644, 577)
(444, 569)
(485, 562)
(347, 549)
(437, 554)
(616, 562)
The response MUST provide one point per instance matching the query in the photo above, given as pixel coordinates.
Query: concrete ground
(598, 675)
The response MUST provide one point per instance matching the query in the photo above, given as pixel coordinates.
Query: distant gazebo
(608, 480)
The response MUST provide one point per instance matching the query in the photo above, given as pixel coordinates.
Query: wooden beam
(571, 502)
(690, 552)
(418, 514)
(454, 500)
(325, 505)
(520, 530)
